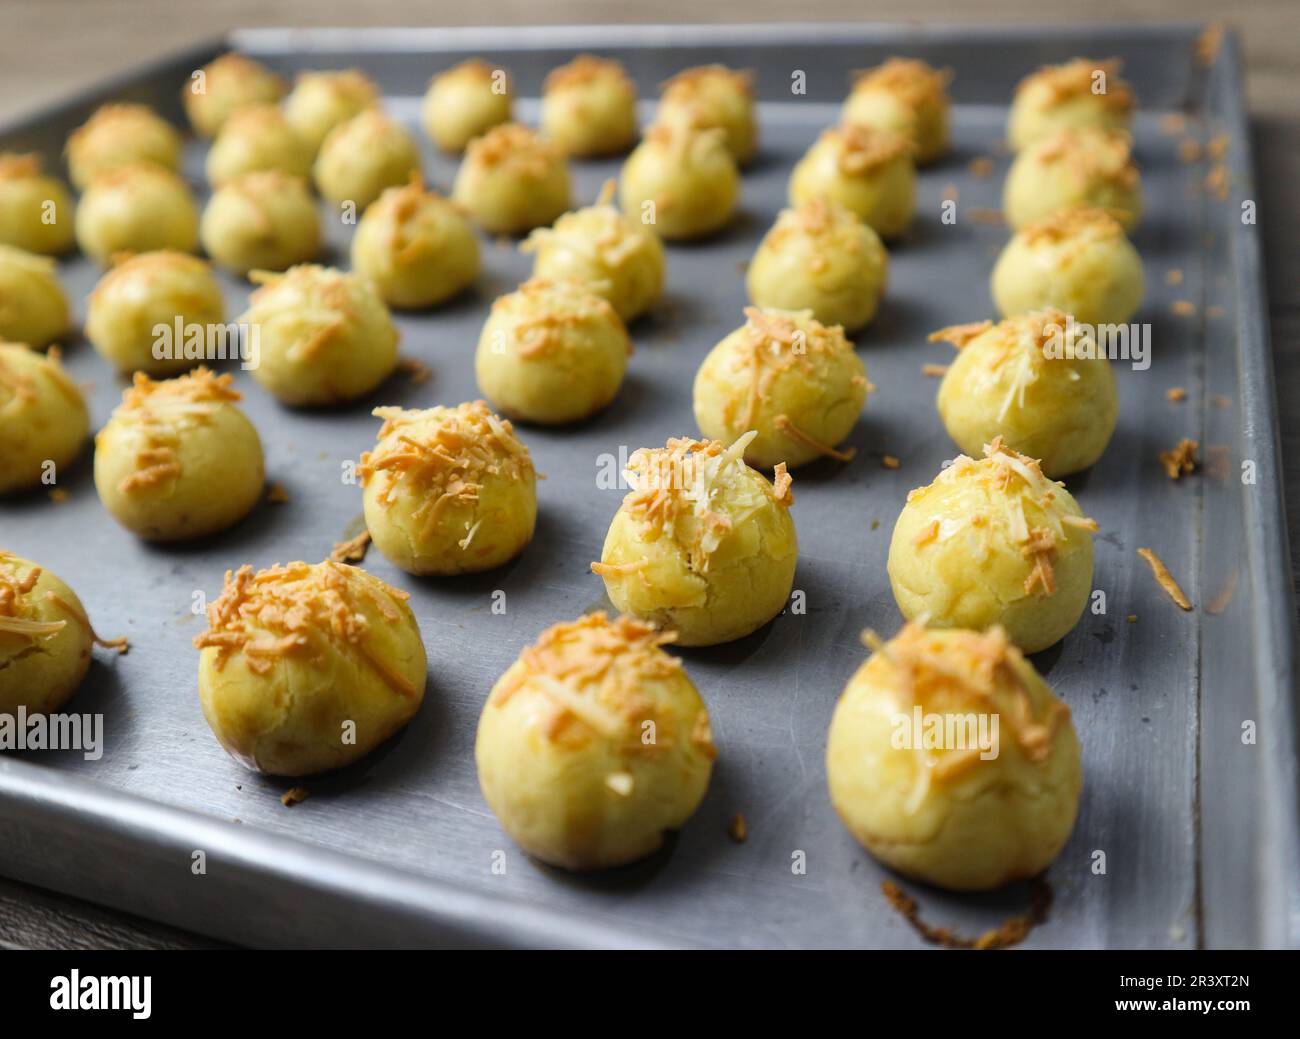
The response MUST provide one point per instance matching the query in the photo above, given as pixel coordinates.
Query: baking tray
(1199, 830)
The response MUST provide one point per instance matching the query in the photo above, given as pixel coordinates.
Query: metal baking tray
(1199, 829)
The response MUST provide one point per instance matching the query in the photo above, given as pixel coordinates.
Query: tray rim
(362, 902)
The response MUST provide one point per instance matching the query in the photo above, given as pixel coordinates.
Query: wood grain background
(52, 48)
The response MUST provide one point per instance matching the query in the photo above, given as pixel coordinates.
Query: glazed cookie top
(1091, 153)
(1075, 78)
(515, 148)
(444, 454)
(271, 614)
(861, 150)
(912, 81)
(160, 410)
(1004, 494)
(586, 70)
(544, 310)
(695, 492)
(951, 670)
(773, 344)
(1020, 350)
(594, 672)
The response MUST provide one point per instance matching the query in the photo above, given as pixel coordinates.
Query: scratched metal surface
(411, 816)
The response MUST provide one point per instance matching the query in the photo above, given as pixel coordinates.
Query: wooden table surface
(52, 48)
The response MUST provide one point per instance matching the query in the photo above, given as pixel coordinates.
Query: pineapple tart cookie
(712, 97)
(465, 102)
(906, 97)
(818, 256)
(594, 744)
(361, 157)
(178, 459)
(325, 337)
(1038, 381)
(321, 101)
(136, 209)
(120, 135)
(143, 292)
(616, 256)
(1079, 260)
(703, 545)
(36, 210)
(415, 247)
(33, 307)
(230, 82)
(266, 220)
(43, 417)
(681, 180)
(784, 375)
(994, 804)
(1090, 167)
(552, 352)
(257, 137)
(308, 667)
(1079, 93)
(868, 171)
(994, 542)
(511, 180)
(448, 490)
(589, 107)
(45, 638)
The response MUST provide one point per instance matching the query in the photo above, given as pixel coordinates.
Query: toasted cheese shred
(593, 671)
(1164, 578)
(284, 611)
(786, 426)
(1182, 460)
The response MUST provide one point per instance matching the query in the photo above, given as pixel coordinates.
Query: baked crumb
(1208, 43)
(1183, 308)
(890, 462)
(1173, 124)
(58, 495)
(1011, 932)
(353, 550)
(277, 495)
(415, 369)
(738, 828)
(1165, 578)
(1216, 181)
(1181, 461)
(1174, 277)
(981, 166)
(985, 215)
(1175, 394)
(1190, 150)
(934, 371)
(294, 796)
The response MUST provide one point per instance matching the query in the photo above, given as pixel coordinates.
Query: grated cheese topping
(912, 81)
(1092, 154)
(861, 150)
(15, 166)
(443, 455)
(939, 669)
(287, 611)
(1074, 79)
(600, 232)
(695, 492)
(515, 147)
(586, 70)
(593, 671)
(1011, 482)
(545, 311)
